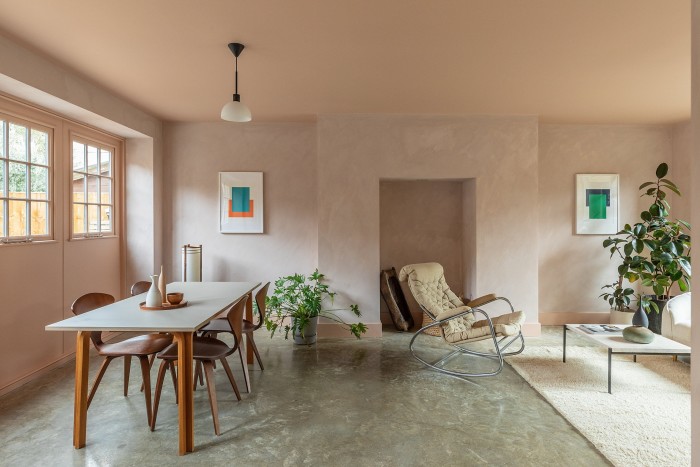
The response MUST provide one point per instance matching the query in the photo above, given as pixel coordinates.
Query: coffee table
(616, 344)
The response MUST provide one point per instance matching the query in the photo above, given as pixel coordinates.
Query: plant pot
(621, 317)
(654, 317)
(309, 333)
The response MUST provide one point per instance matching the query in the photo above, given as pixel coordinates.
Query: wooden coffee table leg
(249, 317)
(185, 392)
(82, 366)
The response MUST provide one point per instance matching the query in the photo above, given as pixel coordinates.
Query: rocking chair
(457, 322)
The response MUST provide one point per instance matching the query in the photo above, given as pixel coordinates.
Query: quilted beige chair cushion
(428, 285)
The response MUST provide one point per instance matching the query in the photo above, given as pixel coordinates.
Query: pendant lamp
(236, 111)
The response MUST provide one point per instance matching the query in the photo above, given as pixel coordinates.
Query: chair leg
(229, 373)
(211, 388)
(127, 370)
(243, 365)
(198, 375)
(174, 378)
(151, 358)
(98, 378)
(146, 373)
(159, 388)
(255, 349)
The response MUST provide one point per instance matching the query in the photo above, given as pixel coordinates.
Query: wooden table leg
(82, 366)
(249, 317)
(184, 391)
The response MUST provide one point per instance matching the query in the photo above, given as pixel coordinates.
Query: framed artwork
(241, 202)
(597, 203)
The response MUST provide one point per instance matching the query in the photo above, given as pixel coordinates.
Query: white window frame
(113, 177)
(5, 161)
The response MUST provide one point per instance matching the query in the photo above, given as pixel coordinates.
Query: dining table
(205, 300)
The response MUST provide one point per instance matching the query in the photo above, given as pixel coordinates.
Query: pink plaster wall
(356, 152)
(286, 154)
(420, 222)
(573, 268)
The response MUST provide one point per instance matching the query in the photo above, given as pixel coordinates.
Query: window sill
(34, 242)
(103, 237)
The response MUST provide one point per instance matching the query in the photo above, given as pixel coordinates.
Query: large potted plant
(656, 250)
(296, 303)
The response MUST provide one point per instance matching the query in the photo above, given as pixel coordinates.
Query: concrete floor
(340, 402)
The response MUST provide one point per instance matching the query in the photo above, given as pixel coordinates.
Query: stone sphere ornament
(638, 334)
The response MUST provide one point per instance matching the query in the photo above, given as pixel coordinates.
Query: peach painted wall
(573, 268)
(681, 164)
(286, 154)
(356, 152)
(421, 221)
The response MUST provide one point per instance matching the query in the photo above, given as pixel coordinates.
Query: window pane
(17, 218)
(2, 178)
(92, 189)
(78, 156)
(78, 218)
(78, 187)
(18, 180)
(105, 162)
(40, 147)
(2, 138)
(40, 183)
(92, 160)
(40, 218)
(93, 221)
(17, 138)
(2, 218)
(106, 218)
(105, 190)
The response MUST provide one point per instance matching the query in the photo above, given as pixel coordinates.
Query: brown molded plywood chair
(218, 325)
(457, 322)
(140, 346)
(140, 287)
(206, 350)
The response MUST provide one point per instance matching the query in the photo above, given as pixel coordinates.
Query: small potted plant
(655, 251)
(297, 302)
(619, 298)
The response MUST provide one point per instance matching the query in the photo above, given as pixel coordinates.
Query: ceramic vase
(162, 286)
(154, 298)
(640, 318)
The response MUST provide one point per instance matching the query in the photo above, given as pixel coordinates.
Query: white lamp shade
(236, 111)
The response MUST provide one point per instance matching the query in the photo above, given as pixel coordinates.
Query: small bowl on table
(175, 298)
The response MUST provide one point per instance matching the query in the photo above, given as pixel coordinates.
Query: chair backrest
(429, 288)
(140, 287)
(235, 319)
(89, 302)
(260, 300)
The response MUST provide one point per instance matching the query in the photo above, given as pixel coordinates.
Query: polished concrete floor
(340, 402)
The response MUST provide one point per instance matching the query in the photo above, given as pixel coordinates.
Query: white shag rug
(646, 419)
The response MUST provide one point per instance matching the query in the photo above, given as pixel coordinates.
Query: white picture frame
(597, 204)
(241, 202)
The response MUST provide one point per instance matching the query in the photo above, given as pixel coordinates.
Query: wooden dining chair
(206, 351)
(140, 287)
(218, 325)
(139, 346)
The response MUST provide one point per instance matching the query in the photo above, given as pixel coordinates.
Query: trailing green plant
(301, 298)
(618, 297)
(656, 250)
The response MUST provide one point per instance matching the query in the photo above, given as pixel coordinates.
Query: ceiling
(584, 61)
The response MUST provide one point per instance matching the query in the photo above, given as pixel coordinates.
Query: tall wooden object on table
(206, 350)
(140, 346)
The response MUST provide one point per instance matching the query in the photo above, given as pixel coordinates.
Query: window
(92, 188)
(25, 181)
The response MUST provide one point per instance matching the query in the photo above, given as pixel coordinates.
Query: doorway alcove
(428, 221)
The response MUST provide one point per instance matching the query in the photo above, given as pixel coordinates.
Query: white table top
(617, 343)
(205, 300)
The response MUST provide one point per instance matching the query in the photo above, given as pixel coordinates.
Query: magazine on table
(600, 328)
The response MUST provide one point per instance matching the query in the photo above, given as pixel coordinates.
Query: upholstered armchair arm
(486, 299)
(453, 313)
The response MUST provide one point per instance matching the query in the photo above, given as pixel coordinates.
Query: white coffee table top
(617, 343)
(204, 301)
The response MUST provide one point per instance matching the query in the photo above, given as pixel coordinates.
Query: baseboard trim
(31, 376)
(337, 330)
(569, 317)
